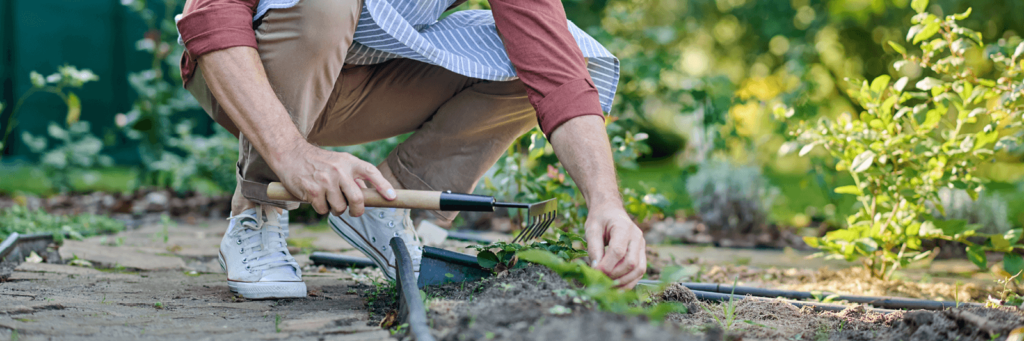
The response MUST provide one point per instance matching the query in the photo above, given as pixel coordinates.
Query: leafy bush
(988, 213)
(76, 149)
(729, 197)
(24, 221)
(207, 160)
(905, 145)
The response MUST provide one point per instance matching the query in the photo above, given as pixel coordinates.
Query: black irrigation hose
(881, 302)
(410, 303)
(720, 297)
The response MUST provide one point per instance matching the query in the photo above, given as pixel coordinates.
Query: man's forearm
(582, 145)
(237, 80)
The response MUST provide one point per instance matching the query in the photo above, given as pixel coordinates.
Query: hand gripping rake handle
(405, 198)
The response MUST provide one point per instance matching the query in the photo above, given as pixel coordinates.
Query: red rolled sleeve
(547, 60)
(211, 25)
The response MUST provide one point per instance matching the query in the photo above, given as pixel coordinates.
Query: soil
(527, 304)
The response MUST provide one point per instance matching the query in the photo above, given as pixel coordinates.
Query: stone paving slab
(176, 267)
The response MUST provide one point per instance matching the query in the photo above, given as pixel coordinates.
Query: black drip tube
(410, 304)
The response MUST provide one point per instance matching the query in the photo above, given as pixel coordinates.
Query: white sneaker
(371, 233)
(255, 255)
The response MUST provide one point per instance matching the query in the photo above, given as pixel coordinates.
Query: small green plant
(24, 221)
(400, 329)
(158, 305)
(57, 84)
(728, 311)
(277, 323)
(504, 255)
(600, 288)
(906, 144)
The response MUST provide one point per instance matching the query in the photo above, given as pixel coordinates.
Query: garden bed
(536, 304)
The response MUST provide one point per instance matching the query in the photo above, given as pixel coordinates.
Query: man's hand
(625, 258)
(582, 145)
(323, 178)
(330, 181)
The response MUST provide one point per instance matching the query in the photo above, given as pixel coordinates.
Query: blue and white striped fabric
(465, 42)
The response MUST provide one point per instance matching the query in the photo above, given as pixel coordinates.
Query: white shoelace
(270, 240)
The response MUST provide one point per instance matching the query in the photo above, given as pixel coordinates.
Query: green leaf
(919, 6)
(963, 15)
(487, 259)
(812, 241)
(74, 108)
(977, 256)
(878, 85)
(1013, 264)
(928, 31)
(986, 138)
(950, 227)
(851, 189)
(901, 84)
(931, 120)
(897, 47)
(928, 83)
(1013, 235)
(862, 162)
(1016, 53)
(999, 243)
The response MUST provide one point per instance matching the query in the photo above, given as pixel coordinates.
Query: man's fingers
(370, 173)
(626, 264)
(354, 196)
(317, 200)
(618, 245)
(637, 255)
(336, 200)
(595, 244)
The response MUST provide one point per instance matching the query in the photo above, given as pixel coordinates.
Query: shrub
(906, 144)
(729, 197)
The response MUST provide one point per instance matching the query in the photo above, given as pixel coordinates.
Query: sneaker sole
(264, 290)
(360, 242)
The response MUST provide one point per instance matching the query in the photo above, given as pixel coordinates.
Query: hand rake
(539, 215)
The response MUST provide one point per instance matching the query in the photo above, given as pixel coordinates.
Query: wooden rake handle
(405, 198)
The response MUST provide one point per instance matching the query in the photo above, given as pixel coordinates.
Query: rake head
(539, 218)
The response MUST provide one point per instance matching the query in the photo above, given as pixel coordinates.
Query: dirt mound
(953, 324)
(531, 304)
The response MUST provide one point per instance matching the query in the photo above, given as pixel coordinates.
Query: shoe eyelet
(239, 242)
(248, 268)
(385, 248)
(245, 260)
(391, 223)
(396, 234)
(381, 215)
(241, 251)
(373, 239)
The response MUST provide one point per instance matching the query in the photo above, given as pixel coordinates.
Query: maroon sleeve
(547, 59)
(211, 25)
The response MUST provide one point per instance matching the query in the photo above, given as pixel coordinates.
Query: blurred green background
(699, 81)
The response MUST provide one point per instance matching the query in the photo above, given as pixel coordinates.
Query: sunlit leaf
(862, 162)
(897, 47)
(977, 256)
(919, 5)
(74, 108)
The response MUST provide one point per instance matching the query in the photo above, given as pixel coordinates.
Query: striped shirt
(465, 42)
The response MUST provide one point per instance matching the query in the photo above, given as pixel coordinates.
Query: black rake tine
(524, 232)
(542, 227)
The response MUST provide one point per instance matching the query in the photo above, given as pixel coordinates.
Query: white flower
(54, 78)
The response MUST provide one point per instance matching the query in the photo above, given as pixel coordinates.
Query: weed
(14, 335)
(277, 323)
(505, 287)
(600, 288)
(728, 311)
(399, 329)
(158, 305)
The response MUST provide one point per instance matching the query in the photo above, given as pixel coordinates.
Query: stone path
(161, 282)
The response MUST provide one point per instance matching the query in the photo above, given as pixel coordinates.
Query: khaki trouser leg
(462, 125)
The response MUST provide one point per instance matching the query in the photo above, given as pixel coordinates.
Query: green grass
(30, 179)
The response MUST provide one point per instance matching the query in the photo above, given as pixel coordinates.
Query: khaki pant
(462, 125)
